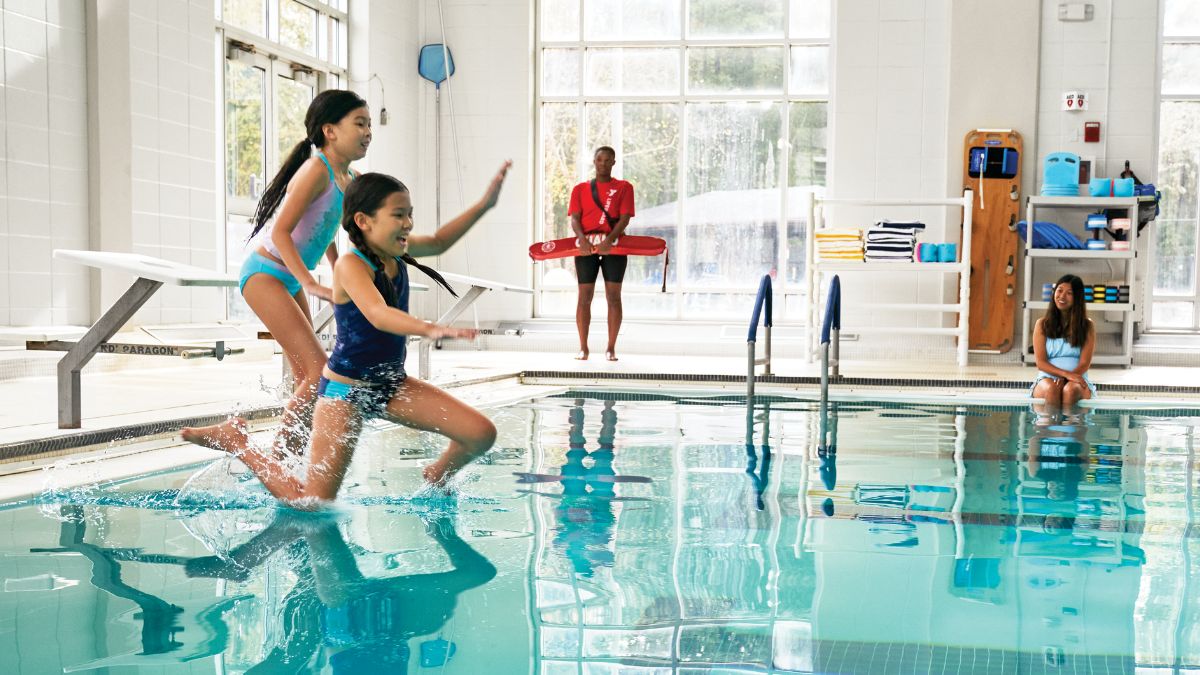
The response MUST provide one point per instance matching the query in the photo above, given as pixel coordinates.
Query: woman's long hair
(1071, 324)
(328, 107)
(366, 194)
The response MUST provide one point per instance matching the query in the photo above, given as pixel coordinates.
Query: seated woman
(1063, 342)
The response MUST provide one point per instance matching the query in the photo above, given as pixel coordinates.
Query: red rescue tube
(629, 244)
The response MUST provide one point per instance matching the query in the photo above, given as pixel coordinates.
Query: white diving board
(477, 287)
(151, 273)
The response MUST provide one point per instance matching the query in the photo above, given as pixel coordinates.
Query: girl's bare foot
(435, 475)
(228, 436)
(610, 355)
(582, 356)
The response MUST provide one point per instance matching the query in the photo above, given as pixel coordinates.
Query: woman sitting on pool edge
(1063, 342)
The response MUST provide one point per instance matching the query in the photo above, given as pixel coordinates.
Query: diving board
(151, 273)
(477, 287)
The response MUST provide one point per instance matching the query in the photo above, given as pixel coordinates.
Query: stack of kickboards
(839, 244)
(890, 241)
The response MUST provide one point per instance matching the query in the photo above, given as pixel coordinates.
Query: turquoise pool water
(645, 534)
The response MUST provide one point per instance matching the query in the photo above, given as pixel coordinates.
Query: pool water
(643, 534)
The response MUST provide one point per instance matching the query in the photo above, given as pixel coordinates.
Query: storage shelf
(1126, 311)
(1079, 253)
(850, 266)
(1089, 202)
(817, 218)
(1091, 306)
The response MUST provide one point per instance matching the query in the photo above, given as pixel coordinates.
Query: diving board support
(478, 286)
(151, 273)
(70, 414)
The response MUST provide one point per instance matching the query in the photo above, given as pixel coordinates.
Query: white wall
(43, 161)
(888, 130)
(492, 90)
(491, 44)
(109, 143)
(173, 142)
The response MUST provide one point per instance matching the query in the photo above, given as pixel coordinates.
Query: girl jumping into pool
(365, 375)
(1063, 342)
(276, 275)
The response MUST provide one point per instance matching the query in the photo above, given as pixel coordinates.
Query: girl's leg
(288, 319)
(1073, 393)
(425, 407)
(1049, 389)
(336, 426)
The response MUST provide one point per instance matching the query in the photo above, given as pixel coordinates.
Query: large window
(279, 54)
(718, 112)
(1176, 299)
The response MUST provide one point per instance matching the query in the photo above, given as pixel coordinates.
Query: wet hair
(604, 148)
(366, 194)
(328, 107)
(1071, 324)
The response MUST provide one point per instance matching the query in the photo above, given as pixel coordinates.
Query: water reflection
(655, 532)
(584, 511)
(335, 613)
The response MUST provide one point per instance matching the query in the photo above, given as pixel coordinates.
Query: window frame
(795, 292)
(275, 58)
(1152, 298)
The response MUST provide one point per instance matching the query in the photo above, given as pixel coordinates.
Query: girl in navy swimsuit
(365, 374)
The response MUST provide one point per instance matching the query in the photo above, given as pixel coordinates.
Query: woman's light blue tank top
(318, 225)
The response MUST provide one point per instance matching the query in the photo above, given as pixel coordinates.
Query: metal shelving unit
(1126, 258)
(815, 268)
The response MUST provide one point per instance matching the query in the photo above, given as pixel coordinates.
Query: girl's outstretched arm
(308, 184)
(357, 280)
(451, 232)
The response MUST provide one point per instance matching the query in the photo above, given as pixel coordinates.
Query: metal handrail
(761, 301)
(831, 329)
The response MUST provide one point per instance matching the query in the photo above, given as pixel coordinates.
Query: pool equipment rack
(1127, 257)
(762, 306)
(815, 268)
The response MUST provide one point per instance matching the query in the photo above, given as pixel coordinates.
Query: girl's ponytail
(432, 273)
(272, 197)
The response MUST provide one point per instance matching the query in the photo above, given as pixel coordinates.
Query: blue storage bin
(1060, 175)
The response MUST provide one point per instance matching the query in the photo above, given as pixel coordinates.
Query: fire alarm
(1091, 132)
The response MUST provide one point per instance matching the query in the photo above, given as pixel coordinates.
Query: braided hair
(366, 194)
(328, 107)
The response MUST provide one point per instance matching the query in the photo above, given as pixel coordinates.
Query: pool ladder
(831, 329)
(762, 307)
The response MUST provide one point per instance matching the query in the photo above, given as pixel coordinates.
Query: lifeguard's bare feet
(610, 355)
(581, 356)
(228, 436)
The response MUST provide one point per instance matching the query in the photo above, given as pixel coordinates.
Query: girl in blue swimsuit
(365, 375)
(1063, 342)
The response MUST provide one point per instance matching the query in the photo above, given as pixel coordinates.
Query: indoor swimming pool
(627, 532)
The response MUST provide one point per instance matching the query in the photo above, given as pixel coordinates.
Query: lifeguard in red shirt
(600, 210)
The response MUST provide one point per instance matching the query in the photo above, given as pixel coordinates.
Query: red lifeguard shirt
(616, 195)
